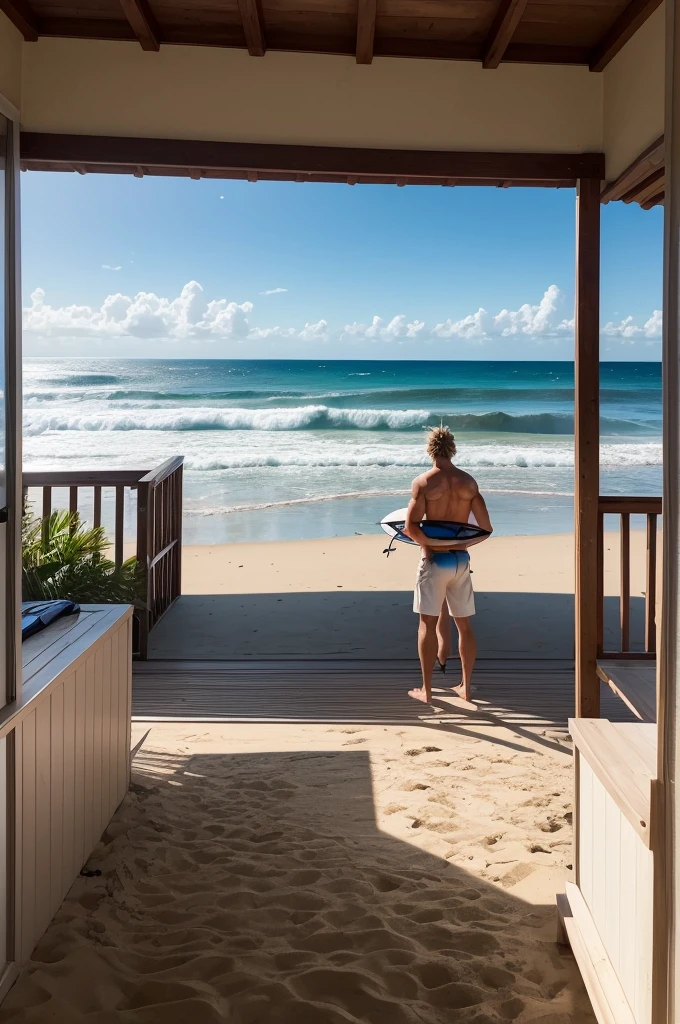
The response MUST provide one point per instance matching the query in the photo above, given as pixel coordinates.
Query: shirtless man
(444, 586)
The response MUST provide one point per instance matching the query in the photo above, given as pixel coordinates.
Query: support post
(587, 443)
(667, 965)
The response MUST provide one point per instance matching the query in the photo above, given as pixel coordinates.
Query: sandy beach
(319, 875)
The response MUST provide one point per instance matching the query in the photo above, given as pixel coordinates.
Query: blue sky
(114, 265)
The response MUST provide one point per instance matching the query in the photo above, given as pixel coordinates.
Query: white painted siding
(72, 764)
(616, 880)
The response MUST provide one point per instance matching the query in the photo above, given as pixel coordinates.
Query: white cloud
(275, 291)
(533, 321)
(397, 327)
(627, 330)
(147, 315)
(190, 317)
(106, 266)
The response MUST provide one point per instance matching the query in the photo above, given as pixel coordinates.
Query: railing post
(624, 598)
(650, 588)
(178, 498)
(587, 441)
(143, 523)
(600, 582)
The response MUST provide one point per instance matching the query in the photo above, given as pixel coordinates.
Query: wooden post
(666, 978)
(587, 442)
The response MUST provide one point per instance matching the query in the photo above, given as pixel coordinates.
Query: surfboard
(439, 533)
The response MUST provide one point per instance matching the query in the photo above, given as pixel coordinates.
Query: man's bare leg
(427, 652)
(467, 648)
(444, 636)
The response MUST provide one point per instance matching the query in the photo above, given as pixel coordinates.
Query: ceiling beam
(645, 164)
(219, 158)
(624, 28)
(142, 23)
(253, 26)
(507, 19)
(366, 14)
(22, 17)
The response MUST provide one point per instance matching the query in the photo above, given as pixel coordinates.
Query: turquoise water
(293, 449)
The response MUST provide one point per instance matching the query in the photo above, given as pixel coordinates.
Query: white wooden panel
(3, 852)
(90, 685)
(79, 767)
(586, 832)
(97, 824)
(43, 913)
(27, 844)
(105, 751)
(616, 881)
(612, 881)
(72, 745)
(599, 854)
(56, 846)
(70, 860)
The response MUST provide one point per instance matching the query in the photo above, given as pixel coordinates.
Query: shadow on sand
(258, 887)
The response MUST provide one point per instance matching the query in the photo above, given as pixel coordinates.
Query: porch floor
(534, 697)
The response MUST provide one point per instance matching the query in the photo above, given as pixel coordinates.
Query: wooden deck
(533, 696)
(634, 682)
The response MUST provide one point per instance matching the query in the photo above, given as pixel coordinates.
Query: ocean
(298, 449)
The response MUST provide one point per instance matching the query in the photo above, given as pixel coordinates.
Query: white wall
(634, 96)
(115, 88)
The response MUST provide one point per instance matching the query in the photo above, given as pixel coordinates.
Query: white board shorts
(444, 577)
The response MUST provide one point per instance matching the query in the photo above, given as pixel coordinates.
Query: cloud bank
(191, 317)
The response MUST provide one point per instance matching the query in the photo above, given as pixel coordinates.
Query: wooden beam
(649, 160)
(648, 187)
(22, 17)
(143, 23)
(253, 26)
(366, 15)
(39, 149)
(624, 28)
(587, 443)
(507, 19)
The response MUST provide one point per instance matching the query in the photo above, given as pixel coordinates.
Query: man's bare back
(448, 494)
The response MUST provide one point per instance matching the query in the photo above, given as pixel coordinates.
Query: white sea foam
(300, 418)
(472, 457)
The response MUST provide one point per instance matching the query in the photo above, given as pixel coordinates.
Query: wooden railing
(158, 525)
(650, 507)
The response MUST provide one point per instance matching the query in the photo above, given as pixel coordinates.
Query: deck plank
(521, 696)
(634, 682)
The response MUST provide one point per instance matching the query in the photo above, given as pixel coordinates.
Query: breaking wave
(479, 457)
(311, 417)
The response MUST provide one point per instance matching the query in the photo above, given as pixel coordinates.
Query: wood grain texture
(506, 21)
(280, 160)
(253, 27)
(70, 779)
(624, 28)
(586, 444)
(634, 682)
(366, 14)
(143, 23)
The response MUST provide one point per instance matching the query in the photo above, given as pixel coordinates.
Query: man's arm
(416, 513)
(481, 513)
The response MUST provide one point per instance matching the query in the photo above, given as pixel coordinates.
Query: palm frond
(65, 559)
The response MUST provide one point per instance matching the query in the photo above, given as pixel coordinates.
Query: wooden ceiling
(585, 32)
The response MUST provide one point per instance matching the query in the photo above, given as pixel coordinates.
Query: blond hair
(441, 443)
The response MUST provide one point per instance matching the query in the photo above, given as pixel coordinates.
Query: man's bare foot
(462, 691)
(421, 695)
